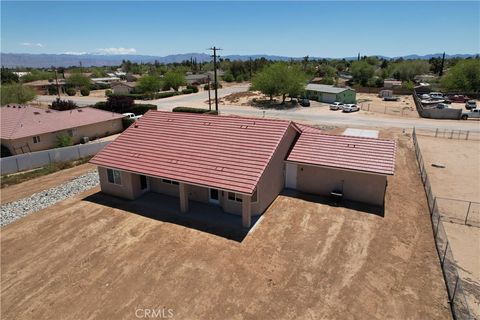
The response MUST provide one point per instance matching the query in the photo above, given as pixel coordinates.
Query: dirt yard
(460, 179)
(404, 107)
(82, 260)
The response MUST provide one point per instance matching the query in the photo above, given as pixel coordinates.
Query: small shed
(123, 87)
(329, 94)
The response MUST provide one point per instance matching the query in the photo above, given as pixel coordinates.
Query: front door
(213, 196)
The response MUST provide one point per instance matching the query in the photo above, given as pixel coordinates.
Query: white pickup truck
(474, 113)
(131, 116)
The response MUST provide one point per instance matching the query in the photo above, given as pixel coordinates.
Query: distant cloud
(75, 53)
(117, 51)
(31, 44)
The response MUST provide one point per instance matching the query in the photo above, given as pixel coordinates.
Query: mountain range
(45, 60)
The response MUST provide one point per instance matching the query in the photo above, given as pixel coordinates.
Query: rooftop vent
(350, 145)
(79, 110)
(243, 127)
(36, 112)
(207, 123)
(169, 120)
(48, 111)
(219, 168)
(14, 106)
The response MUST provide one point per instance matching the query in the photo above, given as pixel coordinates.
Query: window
(114, 176)
(36, 139)
(234, 197)
(175, 183)
(70, 132)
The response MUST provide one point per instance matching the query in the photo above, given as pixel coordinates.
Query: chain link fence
(453, 282)
(449, 134)
(390, 109)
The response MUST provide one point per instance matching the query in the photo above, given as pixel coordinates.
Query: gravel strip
(41, 200)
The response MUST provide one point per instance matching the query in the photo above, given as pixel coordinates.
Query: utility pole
(209, 99)
(215, 49)
(250, 65)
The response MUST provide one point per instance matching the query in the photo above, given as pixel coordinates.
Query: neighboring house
(21, 73)
(106, 80)
(240, 164)
(390, 83)
(196, 79)
(41, 86)
(123, 87)
(27, 129)
(328, 94)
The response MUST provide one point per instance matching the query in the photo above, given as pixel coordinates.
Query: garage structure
(330, 94)
(355, 167)
(240, 164)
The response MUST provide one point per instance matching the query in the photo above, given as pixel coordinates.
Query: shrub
(52, 90)
(120, 104)
(190, 110)
(239, 78)
(161, 95)
(101, 105)
(85, 91)
(62, 105)
(71, 91)
(100, 86)
(187, 91)
(108, 92)
(142, 108)
(193, 88)
(205, 87)
(63, 140)
(228, 77)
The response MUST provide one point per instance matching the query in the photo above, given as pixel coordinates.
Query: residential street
(313, 115)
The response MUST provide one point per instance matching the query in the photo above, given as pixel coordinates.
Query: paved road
(298, 114)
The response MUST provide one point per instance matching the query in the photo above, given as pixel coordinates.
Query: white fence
(39, 159)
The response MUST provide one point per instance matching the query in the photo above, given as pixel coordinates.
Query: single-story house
(27, 129)
(123, 87)
(390, 83)
(328, 94)
(41, 86)
(240, 164)
(196, 79)
(106, 80)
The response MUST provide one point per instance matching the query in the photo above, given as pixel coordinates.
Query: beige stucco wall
(129, 189)
(49, 140)
(121, 89)
(357, 186)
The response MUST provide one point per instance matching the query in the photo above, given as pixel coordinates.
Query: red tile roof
(345, 152)
(25, 121)
(224, 152)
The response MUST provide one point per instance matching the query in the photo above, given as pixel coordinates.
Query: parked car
(471, 104)
(425, 96)
(436, 95)
(305, 103)
(131, 116)
(336, 106)
(442, 106)
(474, 113)
(458, 98)
(350, 108)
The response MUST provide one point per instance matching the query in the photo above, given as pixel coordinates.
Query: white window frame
(172, 182)
(36, 139)
(116, 176)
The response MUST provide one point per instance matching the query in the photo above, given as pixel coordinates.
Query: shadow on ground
(202, 217)
(357, 206)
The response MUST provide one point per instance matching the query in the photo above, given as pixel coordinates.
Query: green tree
(63, 140)
(8, 76)
(280, 79)
(407, 70)
(16, 93)
(464, 76)
(78, 80)
(149, 84)
(174, 80)
(362, 71)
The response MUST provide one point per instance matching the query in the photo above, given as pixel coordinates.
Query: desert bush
(71, 91)
(187, 91)
(85, 91)
(62, 105)
(193, 88)
(63, 140)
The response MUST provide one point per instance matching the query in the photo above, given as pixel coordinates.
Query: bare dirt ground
(303, 260)
(404, 107)
(27, 188)
(460, 179)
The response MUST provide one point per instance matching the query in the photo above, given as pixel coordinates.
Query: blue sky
(326, 29)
